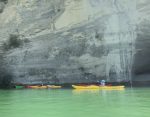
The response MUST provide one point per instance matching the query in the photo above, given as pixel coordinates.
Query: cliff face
(73, 41)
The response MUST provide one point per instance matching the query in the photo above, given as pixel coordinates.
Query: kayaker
(103, 82)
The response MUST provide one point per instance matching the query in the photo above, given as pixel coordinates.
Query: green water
(70, 103)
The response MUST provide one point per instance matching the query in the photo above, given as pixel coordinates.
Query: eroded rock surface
(74, 41)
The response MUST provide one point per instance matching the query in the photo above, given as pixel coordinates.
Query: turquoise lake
(131, 102)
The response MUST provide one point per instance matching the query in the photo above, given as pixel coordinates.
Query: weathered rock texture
(74, 41)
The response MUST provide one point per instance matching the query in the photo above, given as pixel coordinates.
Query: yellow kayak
(53, 86)
(98, 87)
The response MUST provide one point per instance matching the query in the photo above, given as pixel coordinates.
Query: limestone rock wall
(73, 41)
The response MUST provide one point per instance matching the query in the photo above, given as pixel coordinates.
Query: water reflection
(79, 91)
(85, 91)
(67, 102)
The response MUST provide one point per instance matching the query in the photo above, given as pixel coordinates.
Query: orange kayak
(53, 87)
(37, 87)
(44, 87)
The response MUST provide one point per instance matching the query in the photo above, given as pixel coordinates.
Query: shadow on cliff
(141, 65)
(5, 75)
(2, 5)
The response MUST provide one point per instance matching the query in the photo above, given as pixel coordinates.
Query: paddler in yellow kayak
(102, 83)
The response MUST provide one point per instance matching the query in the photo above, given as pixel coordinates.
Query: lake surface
(71, 103)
